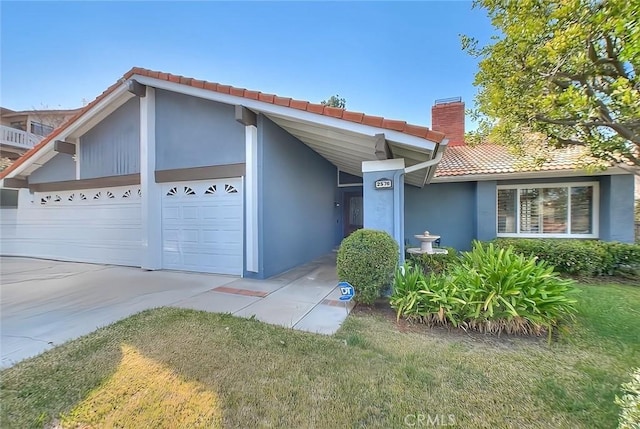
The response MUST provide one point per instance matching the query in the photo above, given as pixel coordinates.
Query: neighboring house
(20, 131)
(168, 172)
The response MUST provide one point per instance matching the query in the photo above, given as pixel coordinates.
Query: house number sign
(384, 184)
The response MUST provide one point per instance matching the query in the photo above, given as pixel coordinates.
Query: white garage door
(89, 225)
(202, 226)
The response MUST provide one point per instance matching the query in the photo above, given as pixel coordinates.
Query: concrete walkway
(305, 298)
(45, 303)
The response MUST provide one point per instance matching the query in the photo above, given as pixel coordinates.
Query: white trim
(87, 117)
(527, 175)
(384, 165)
(77, 156)
(288, 112)
(595, 220)
(548, 185)
(425, 164)
(345, 185)
(251, 198)
(151, 191)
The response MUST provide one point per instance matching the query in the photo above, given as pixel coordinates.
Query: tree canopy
(335, 101)
(562, 73)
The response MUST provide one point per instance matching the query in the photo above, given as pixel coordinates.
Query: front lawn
(180, 368)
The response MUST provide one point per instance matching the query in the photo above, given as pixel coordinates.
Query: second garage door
(202, 226)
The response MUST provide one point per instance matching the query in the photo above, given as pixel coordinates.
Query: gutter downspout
(426, 164)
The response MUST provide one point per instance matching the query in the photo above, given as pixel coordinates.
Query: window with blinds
(507, 210)
(554, 210)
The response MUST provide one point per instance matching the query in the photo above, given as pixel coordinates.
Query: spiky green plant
(524, 294)
(491, 290)
(629, 403)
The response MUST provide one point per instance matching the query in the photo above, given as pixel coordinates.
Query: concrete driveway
(46, 303)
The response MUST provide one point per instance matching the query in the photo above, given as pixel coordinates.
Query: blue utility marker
(346, 291)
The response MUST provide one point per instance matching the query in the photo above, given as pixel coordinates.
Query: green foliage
(579, 257)
(367, 259)
(490, 289)
(630, 403)
(561, 73)
(436, 263)
(335, 101)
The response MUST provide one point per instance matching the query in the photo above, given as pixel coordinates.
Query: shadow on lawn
(145, 393)
(116, 376)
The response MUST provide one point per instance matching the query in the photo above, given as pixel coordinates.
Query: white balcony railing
(18, 138)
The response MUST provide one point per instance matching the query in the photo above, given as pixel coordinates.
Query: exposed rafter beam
(383, 151)
(245, 116)
(64, 147)
(136, 88)
(12, 182)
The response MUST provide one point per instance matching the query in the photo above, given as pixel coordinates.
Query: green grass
(159, 365)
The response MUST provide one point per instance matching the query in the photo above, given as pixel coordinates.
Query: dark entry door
(353, 216)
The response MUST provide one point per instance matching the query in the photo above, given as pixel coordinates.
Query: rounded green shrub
(367, 259)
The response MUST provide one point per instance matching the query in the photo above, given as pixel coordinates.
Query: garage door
(89, 225)
(202, 226)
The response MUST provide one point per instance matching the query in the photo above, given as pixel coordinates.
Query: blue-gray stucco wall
(297, 191)
(112, 148)
(463, 211)
(194, 132)
(486, 210)
(616, 208)
(379, 204)
(60, 168)
(445, 209)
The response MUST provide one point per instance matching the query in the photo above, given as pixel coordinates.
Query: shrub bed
(579, 257)
(367, 259)
(435, 263)
(490, 289)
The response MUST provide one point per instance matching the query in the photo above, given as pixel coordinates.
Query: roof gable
(319, 109)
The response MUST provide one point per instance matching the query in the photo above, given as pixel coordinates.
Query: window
(40, 129)
(553, 210)
(19, 125)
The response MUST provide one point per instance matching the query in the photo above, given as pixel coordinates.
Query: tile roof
(496, 159)
(357, 117)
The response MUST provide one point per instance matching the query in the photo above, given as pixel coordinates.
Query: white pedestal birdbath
(426, 244)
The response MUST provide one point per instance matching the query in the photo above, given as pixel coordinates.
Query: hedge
(579, 257)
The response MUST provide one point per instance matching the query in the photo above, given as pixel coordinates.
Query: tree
(335, 101)
(562, 73)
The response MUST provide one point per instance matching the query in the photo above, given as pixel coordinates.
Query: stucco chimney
(447, 116)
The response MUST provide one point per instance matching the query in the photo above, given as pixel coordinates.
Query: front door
(353, 212)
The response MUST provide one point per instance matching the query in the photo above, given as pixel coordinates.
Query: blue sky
(391, 59)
